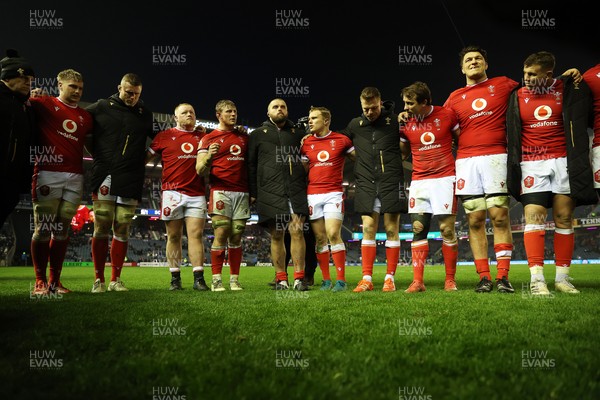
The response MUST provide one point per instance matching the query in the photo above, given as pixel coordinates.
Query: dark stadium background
(238, 49)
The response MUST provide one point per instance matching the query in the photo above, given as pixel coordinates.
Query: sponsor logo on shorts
(528, 181)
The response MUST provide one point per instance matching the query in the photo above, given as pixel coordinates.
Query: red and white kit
(58, 155)
(544, 150)
(228, 174)
(326, 157)
(182, 188)
(432, 185)
(481, 157)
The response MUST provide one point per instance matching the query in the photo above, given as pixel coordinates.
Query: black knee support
(425, 220)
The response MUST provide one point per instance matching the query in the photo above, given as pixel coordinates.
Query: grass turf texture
(150, 343)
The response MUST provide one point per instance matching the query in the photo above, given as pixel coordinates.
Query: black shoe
(504, 285)
(273, 282)
(484, 286)
(175, 284)
(200, 284)
(281, 285)
(309, 281)
(300, 285)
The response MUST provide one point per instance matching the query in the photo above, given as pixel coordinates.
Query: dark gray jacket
(17, 127)
(276, 172)
(119, 145)
(378, 170)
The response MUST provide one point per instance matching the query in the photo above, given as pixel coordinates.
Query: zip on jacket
(125, 147)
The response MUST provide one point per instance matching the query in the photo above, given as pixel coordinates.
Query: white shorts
(103, 193)
(432, 196)
(377, 205)
(596, 166)
(481, 175)
(545, 176)
(235, 205)
(51, 185)
(177, 205)
(326, 205)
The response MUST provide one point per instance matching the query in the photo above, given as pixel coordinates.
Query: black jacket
(577, 106)
(378, 170)
(119, 145)
(276, 172)
(17, 132)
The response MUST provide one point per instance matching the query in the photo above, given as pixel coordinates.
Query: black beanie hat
(14, 66)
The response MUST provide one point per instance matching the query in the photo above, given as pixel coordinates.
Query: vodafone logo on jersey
(187, 148)
(427, 138)
(542, 113)
(69, 125)
(479, 104)
(323, 156)
(235, 149)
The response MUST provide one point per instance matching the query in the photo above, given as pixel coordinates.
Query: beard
(279, 118)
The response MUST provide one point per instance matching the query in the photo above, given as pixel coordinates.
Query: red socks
(503, 256)
(99, 253)
(118, 251)
(323, 259)
(58, 250)
(392, 254)
(482, 266)
(217, 257)
(533, 239)
(235, 259)
(39, 255)
(420, 251)
(368, 250)
(450, 253)
(564, 244)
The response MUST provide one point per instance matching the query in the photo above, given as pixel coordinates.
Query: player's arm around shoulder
(151, 156)
(351, 155)
(405, 150)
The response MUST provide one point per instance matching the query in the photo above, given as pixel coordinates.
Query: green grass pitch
(150, 343)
